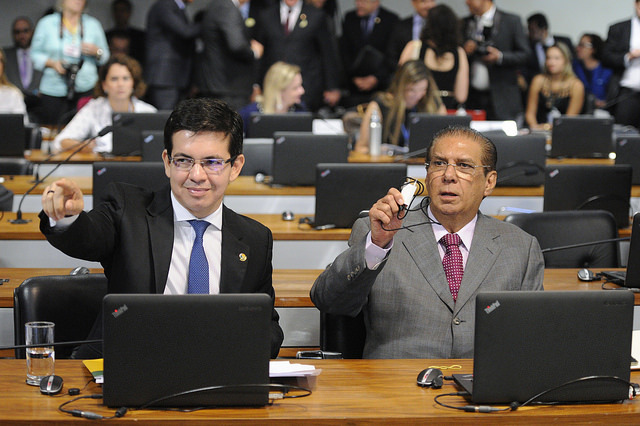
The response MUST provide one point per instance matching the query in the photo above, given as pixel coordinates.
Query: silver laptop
(528, 342)
(186, 350)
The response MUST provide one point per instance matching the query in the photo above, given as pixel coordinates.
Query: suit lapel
(482, 256)
(160, 228)
(234, 253)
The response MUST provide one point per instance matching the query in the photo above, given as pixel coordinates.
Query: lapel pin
(377, 20)
(250, 22)
(303, 23)
(242, 257)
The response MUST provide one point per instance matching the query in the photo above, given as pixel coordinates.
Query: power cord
(120, 412)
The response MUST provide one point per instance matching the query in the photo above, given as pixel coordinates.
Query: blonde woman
(11, 98)
(412, 90)
(557, 91)
(282, 92)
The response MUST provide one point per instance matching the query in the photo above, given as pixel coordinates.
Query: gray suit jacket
(13, 72)
(408, 308)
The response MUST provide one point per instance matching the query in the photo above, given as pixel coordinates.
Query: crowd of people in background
(485, 61)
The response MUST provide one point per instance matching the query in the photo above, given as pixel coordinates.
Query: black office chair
(344, 334)
(562, 228)
(6, 199)
(15, 166)
(72, 302)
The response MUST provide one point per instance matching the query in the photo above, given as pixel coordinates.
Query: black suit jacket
(131, 235)
(310, 46)
(401, 34)
(12, 70)
(508, 36)
(533, 67)
(170, 43)
(615, 48)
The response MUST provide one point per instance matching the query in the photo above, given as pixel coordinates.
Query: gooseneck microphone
(19, 220)
(587, 244)
(528, 168)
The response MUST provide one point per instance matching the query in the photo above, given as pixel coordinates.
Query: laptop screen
(521, 160)
(13, 135)
(582, 137)
(265, 125)
(156, 346)
(423, 127)
(127, 136)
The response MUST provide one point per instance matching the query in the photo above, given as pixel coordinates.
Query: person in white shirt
(11, 99)
(119, 86)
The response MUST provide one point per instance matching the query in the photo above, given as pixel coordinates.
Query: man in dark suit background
(622, 54)
(229, 63)
(170, 48)
(19, 67)
(408, 29)
(297, 33)
(146, 241)
(365, 36)
(121, 12)
(497, 47)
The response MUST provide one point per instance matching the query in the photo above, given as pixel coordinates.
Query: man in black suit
(497, 46)
(170, 47)
(229, 62)
(622, 54)
(408, 29)
(295, 32)
(19, 67)
(121, 11)
(144, 239)
(365, 35)
(539, 40)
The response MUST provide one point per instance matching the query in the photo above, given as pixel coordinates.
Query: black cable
(468, 408)
(120, 412)
(423, 207)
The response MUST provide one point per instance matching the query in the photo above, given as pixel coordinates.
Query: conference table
(345, 392)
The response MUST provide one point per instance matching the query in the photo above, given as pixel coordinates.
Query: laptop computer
(265, 125)
(156, 346)
(423, 127)
(13, 135)
(521, 159)
(152, 145)
(631, 277)
(147, 175)
(628, 152)
(527, 342)
(344, 190)
(589, 187)
(582, 137)
(258, 156)
(128, 127)
(295, 155)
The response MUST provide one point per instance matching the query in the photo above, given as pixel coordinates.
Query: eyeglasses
(212, 166)
(21, 31)
(462, 169)
(586, 45)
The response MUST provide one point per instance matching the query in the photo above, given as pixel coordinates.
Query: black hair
(539, 20)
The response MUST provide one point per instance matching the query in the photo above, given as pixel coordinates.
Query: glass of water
(41, 359)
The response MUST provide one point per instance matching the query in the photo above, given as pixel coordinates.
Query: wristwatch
(99, 53)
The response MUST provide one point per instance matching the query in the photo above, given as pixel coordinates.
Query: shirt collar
(486, 19)
(180, 4)
(466, 233)
(296, 8)
(181, 214)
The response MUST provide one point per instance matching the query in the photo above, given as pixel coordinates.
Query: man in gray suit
(417, 291)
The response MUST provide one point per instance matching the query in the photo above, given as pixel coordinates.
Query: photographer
(68, 47)
(496, 46)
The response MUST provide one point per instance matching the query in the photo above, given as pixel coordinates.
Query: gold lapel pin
(242, 257)
(250, 22)
(377, 20)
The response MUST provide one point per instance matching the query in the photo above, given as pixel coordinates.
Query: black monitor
(147, 175)
(344, 190)
(582, 137)
(128, 128)
(258, 156)
(589, 187)
(423, 127)
(152, 145)
(628, 152)
(521, 159)
(12, 143)
(265, 125)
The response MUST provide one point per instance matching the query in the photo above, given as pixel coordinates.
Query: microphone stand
(19, 220)
(589, 243)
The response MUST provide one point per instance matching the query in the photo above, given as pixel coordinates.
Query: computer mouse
(288, 215)
(79, 270)
(585, 274)
(430, 377)
(51, 385)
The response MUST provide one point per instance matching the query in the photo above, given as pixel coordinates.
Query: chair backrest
(72, 302)
(562, 228)
(344, 334)
(6, 199)
(15, 166)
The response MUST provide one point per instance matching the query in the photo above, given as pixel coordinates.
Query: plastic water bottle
(375, 134)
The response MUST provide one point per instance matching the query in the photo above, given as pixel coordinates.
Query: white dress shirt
(293, 17)
(631, 75)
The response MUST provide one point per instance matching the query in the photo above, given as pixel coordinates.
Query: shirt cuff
(374, 255)
(62, 224)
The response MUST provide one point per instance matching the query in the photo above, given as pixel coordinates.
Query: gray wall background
(567, 17)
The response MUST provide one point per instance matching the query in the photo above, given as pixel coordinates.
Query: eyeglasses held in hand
(466, 169)
(212, 166)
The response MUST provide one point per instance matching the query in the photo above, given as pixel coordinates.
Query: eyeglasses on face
(212, 166)
(462, 169)
(21, 31)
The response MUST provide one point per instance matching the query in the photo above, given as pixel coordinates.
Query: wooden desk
(40, 157)
(346, 392)
(21, 184)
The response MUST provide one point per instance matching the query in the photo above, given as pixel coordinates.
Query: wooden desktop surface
(41, 157)
(19, 184)
(346, 392)
(292, 286)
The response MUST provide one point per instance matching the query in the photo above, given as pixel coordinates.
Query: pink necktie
(24, 71)
(452, 262)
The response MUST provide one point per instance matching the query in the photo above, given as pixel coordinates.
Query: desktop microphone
(589, 243)
(19, 220)
(529, 168)
(411, 154)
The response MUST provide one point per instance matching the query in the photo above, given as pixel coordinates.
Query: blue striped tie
(198, 267)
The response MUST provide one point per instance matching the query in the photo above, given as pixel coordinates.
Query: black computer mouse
(430, 377)
(288, 215)
(79, 270)
(51, 385)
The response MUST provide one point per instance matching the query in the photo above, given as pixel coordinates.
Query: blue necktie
(198, 267)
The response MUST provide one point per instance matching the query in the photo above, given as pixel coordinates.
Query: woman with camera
(68, 47)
